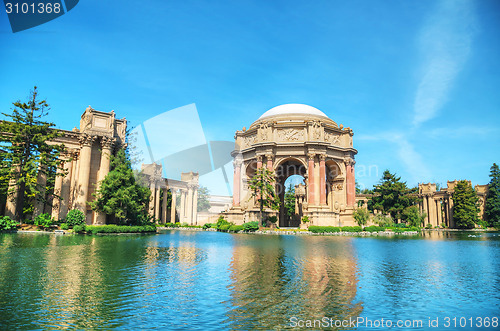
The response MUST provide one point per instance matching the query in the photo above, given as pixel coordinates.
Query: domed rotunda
(300, 140)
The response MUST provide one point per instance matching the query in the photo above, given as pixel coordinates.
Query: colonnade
(187, 211)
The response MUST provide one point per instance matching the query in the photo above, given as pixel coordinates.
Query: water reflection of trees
(277, 277)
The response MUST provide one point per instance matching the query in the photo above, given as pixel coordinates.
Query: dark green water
(211, 281)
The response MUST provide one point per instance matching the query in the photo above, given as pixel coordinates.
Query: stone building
(295, 139)
(183, 208)
(438, 205)
(85, 162)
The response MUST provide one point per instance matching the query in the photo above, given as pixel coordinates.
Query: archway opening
(292, 172)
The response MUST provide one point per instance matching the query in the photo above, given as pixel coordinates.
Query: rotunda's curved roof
(293, 108)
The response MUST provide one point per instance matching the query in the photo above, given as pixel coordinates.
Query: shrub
(224, 227)
(44, 220)
(251, 226)
(222, 222)
(112, 228)
(428, 226)
(351, 229)
(400, 225)
(272, 219)
(207, 225)
(383, 220)
(79, 228)
(305, 219)
(323, 229)
(496, 225)
(64, 226)
(374, 228)
(236, 228)
(6, 224)
(361, 216)
(75, 217)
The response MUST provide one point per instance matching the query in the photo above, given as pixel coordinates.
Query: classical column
(66, 187)
(427, 196)
(164, 206)
(84, 172)
(152, 188)
(322, 180)
(236, 183)
(189, 208)
(106, 151)
(41, 183)
(174, 202)
(195, 205)
(157, 204)
(350, 183)
(56, 202)
(311, 199)
(269, 158)
(439, 212)
(182, 214)
(259, 161)
(74, 180)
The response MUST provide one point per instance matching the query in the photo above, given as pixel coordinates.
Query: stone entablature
(314, 146)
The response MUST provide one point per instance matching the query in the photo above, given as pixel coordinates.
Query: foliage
(428, 226)
(79, 228)
(44, 220)
(383, 220)
(465, 205)
(374, 228)
(305, 219)
(492, 205)
(251, 226)
(236, 228)
(203, 203)
(323, 229)
(64, 226)
(351, 229)
(27, 152)
(208, 225)
(220, 222)
(272, 219)
(262, 187)
(7, 224)
(225, 227)
(392, 196)
(361, 216)
(113, 228)
(75, 217)
(290, 201)
(413, 216)
(120, 195)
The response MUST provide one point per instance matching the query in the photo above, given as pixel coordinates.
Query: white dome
(293, 108)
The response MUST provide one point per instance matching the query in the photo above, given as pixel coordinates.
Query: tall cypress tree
(492, 207)
(465, 206)
(25, 141)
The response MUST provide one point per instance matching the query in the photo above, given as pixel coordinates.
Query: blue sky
(418, 81)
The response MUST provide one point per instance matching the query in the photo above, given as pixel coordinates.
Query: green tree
(25, 140)
(290, 201)
(203, 202)
(392, 196)
(262, 188)
(465, 205)
(492, 206)
(413, 216)
(361, 216)
(119, 195)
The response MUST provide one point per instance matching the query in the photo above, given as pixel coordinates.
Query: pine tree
(262, 187)
(27, 153)
(465, 206)
(119, 195)
(492, 206)
(392, 196)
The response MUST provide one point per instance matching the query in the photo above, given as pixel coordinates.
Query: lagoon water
(179, 280)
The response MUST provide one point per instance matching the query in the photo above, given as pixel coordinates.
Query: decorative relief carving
(108, 142)
(316, 131)
(290, 135)
(264, 128)
(249, 140)
(332, 138)
(86, 140)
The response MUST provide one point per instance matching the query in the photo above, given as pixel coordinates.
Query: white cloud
(445, 43)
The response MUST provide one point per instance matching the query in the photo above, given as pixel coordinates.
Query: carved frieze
(332, 138)
(249, 140)
(291, 135)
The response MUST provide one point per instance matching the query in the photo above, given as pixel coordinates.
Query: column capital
(237, 163)
(108, 142)
(86, 140)
(349, 162)
(322, 157)
(311, 156)
(259, 158)
(270, 156)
